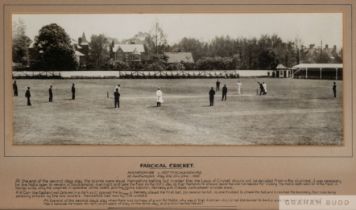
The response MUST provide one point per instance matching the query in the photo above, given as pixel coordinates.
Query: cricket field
(294, 112)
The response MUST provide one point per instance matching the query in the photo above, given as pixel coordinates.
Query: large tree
(222, 46)
(98, 50)
(53, 49)
(158, 38)
(20, 43)
(267, 59)
(196, 47)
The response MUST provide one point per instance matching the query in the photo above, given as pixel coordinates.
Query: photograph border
(197, 146)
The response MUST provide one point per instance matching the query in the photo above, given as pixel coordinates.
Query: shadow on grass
(43, 102)
(327, 98)
(22, 105)
(111, 107)
(153, 106)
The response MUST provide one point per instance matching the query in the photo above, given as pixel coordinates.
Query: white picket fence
(138, 74)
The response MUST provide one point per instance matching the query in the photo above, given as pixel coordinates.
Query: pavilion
(331, 71)
(282, 71)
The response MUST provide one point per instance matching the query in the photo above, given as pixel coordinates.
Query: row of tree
(263, 53)
(52, 49)
(20, 43)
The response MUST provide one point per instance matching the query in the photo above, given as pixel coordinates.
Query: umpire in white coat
(238, 84)
(159, 96)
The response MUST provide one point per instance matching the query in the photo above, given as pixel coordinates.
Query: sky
(310, 28)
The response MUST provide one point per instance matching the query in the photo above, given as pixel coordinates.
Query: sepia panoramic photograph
(177, 79)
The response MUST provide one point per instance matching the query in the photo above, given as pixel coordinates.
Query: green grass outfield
(293, 112)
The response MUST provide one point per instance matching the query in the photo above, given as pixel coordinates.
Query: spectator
(224, 93)
(73, 91)
(117, 98)
(50, 94)
(217, 85)
(211, 96)
(334, 89)
(28, 96)
(14, 85)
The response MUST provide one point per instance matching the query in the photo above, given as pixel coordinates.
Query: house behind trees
(81, 49)
(179, 57)
(130, 54)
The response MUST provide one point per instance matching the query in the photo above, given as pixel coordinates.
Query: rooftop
(318, 65)
(131, 48)
(178, 57)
